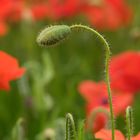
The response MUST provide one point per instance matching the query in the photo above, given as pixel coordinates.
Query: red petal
(136, 137)
(106, 135)
(9, 70)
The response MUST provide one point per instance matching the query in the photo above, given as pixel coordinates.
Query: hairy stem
(70, 128)
(107, 58)
(129, 122)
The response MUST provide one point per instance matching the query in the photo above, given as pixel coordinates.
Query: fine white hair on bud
(53, 35)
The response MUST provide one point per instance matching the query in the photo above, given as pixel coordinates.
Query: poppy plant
(124, 72)
(107, 14)
(9, 70)
(104, 134)
(95, 95)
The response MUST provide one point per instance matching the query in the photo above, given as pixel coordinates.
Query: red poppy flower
(96, 96)
(108, 14)
(106, 135)
(9, 70)
(124, 72)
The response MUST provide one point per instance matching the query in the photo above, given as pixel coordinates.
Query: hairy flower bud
(53, 35)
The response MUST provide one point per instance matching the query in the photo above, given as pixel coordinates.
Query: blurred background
(48, 89)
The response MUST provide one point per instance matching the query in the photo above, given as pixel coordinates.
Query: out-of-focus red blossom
(39, 11)
(9, 70)
(104, 134)
(64, 9)
(36, 9)
(107, 14)
(15, 10)
(124, 72)
(53, 9)
(10, 9)
(96, 96)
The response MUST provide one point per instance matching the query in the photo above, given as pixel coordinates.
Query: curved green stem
(129, 122)
(107, 55)
(93, 115)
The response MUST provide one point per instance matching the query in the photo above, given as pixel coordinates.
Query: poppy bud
(53, 35)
